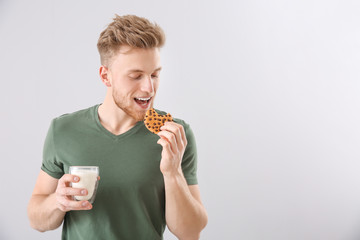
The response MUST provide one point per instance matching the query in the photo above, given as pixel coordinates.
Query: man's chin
(137, 115)
(134, 112)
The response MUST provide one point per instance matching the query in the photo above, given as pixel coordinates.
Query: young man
(147, 181)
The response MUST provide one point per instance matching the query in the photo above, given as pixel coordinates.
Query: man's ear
(104, 75)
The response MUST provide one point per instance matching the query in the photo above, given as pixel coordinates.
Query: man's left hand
(173, 140)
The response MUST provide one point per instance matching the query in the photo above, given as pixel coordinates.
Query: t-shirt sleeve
(50, 165)
(189, 162)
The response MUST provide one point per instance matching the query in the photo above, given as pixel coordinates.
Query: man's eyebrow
(138, 70)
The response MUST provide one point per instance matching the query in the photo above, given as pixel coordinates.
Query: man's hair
(131, 30)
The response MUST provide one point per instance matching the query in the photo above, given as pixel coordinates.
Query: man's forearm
(43, 213)
(185, 216)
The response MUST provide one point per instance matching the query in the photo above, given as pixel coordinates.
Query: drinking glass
(88, 179)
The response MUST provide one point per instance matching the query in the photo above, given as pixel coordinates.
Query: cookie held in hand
(153, 121)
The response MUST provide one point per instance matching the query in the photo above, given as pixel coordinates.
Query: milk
(88, 180)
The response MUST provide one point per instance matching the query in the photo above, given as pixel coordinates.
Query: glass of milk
(88, 179)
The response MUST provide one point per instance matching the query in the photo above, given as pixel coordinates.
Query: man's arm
(185, 214)
(184, 211)
(51, 199)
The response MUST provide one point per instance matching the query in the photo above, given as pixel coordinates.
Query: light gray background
(270, 88)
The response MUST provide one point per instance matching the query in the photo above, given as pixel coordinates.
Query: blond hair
(131, 30)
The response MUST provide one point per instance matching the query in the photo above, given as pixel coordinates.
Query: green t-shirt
(130, 200)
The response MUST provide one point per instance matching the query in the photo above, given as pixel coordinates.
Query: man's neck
(114, 119)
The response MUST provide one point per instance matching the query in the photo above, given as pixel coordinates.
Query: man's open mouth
(143, 102)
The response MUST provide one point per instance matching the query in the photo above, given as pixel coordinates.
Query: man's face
(134, 77)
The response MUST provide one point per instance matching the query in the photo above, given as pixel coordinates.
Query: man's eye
(136, 77)
(154, 76)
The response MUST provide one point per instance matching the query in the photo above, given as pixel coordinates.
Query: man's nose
(147, 85)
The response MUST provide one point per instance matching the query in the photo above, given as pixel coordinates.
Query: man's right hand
(64, 194)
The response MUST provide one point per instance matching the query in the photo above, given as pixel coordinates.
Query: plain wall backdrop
(270, 88)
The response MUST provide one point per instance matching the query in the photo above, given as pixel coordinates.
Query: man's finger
(166, 147)
(72, 191)
(67, 178)
(170, 137)
(74, 205)
(178, 131)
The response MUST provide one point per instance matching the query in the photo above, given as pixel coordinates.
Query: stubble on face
(124, 103)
